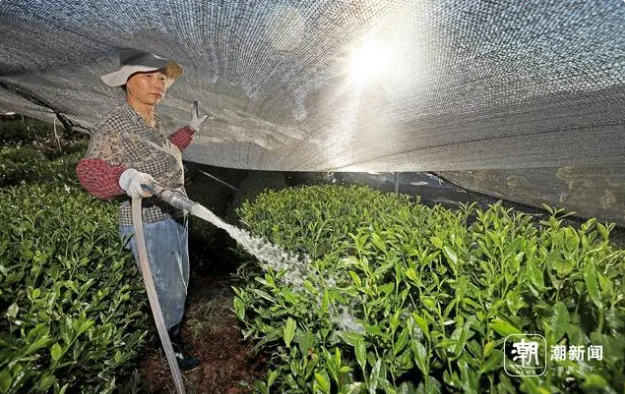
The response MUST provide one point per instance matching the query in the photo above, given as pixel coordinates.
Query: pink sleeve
(99, 178)
(182, 138)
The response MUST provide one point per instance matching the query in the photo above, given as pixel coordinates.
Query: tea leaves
(421, 300)
(71, 301)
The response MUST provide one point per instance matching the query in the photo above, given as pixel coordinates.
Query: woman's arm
(182, 138)
(96, 173)
(100, 178)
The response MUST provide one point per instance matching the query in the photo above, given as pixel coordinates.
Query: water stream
(271, 255)
(296, 269)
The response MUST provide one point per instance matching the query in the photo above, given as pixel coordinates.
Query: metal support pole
(396, 183)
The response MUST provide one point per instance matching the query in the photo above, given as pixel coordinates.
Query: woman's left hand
(196, 119)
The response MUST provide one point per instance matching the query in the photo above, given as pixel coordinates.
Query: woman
(128, 151)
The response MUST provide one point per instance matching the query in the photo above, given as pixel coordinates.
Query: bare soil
(228, 365)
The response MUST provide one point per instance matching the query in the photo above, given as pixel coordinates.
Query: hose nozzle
(173, 198)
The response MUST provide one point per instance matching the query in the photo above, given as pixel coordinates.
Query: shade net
(523, 100)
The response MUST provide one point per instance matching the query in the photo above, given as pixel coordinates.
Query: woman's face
(147, 87)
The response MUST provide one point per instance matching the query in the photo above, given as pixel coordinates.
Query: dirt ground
(228, 365)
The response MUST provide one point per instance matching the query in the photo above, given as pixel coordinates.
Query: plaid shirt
(125, 141)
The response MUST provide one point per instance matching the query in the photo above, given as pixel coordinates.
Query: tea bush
(71, 299)
(41, 135)
(402, 298)
(24, 132)
(24, 164)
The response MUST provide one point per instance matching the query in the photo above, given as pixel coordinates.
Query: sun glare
(376, 61)
(370, 61)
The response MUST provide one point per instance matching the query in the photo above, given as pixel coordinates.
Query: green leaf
(412, 275)
(406, 388)
(469, 377)
(374, 377)
(571, 240)
(337, 357)
(603, 230)
(505, 385)
(288, 295)
(461, 334)
(46, 381)
(374, 330)
(420, 355)
(451, 255)
(436, 242)
(563, 267)
(85, 326)
(613, 349)
(56, 352)
(401, 343)
(264, 294)
(289, 331)
(615, 321)
(261, 386)
(326, 301)
(433, 386)
(395, 321)
(503, 328)
(12, 311)
(353, 388)
(607, 288)
(590, 277)
(350, 338)
(305, 340)
(377, 241)
(495, 361)
(430, 303)
(361, 354)
(532, 386)
(323, 381)
(535, 275)
(5, 380)
(271, 378)
(270, 281)
(332, 364)
(560, 321)
(406, 361)
(38, 344)
(387, 289)
(345, 369)
(488, 348)
(356, 279)
(472, 303)
(239, 308)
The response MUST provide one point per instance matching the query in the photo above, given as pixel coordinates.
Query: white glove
(196, 119)
(131, 180)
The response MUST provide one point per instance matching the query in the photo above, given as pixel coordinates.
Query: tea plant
(28, 131)
(41, 136)
(20, 165)
(71, 300)
(402, 298)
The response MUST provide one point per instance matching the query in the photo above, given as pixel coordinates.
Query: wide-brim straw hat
(133, 61)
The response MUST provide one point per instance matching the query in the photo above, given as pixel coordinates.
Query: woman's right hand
(131, 181)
